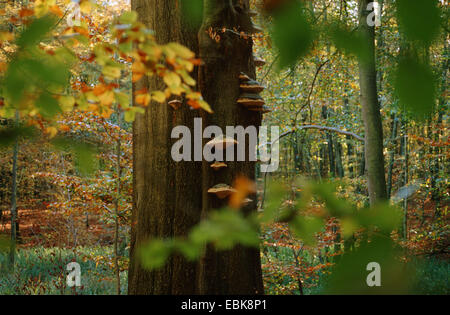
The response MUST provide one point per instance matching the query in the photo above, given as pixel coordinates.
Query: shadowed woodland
(91, 91)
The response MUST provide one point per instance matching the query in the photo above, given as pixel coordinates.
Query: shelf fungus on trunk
(175, 104)
(218, 165)
(251, 86)
(221, 190)
(262, 109)
(259, 62)
(243, 77)
(221, 142)
(256, 29)
(252, 13)
(250, 100)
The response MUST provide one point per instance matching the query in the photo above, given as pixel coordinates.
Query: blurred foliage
(291, 33)
(420, 20)
(415, 86)
(67, 82)
(226, 228)
(193, 11)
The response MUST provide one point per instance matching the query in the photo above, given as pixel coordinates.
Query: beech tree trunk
(167, 195)
(237, 271)
(170, 198)
(392, 154)
(116, 207)
(371, 113)
(339, 166)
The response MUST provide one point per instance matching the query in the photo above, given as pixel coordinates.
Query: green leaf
(123, 99)
(419, 19)
(128, 17)
(84, 154)
(190, 250)
(14, 82)
(47, 105)
(352, 43)
(415, 87)
(35, 32)
(273, 203)
(45, 73)
(306, 228)
(9, 135)
(350, 274)
(384, 217)
(192, 10)
(291, 33)
(130, 114)
(155, 253)
(85, 159)
(337, 207)
(225, 228)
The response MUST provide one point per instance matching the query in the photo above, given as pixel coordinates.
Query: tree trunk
(237, 271)
(167, 195)
(371, 113)
(350, 157)
(392, 155)
(323, 149)
(339, 167)
(406, 179)
(438, 134)
(14, 222)
(362, 161)
(298, 154)
(331, 155)
(116, 207)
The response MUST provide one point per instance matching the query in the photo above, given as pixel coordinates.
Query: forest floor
(48, 242)
(46, 228)
(45, 250)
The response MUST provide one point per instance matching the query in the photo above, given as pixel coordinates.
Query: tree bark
(237, 271)
(14, 222)
(117, 206)
(167, 195)
(392, 155)
(371, 112)
(339, 166)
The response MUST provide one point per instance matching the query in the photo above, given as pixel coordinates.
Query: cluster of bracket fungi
(221, 143)
(250, 90)
(249, 98)
(222, 191)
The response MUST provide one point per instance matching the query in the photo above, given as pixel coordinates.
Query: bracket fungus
(250, 100)
(221, 190)
(221, 142)
(244, 77)
(256, 29)
(218, 165)
(252, 13)
(259, 62)
(262, 109)
(252, 86)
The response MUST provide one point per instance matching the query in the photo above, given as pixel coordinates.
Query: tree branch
(324, 128)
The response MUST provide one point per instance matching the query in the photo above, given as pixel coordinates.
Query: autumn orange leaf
(25, 12)
(99, 89)
(143, 99)
(138, 69)
(56, 10)
(244, 187)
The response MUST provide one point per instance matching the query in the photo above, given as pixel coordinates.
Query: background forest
(70, 94)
